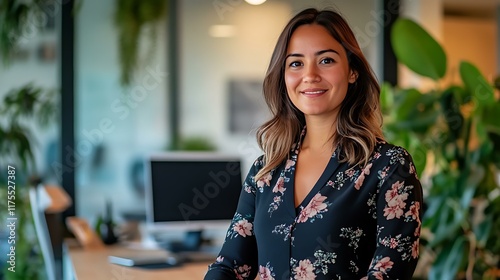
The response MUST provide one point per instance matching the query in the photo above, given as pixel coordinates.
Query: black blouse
(356, 223)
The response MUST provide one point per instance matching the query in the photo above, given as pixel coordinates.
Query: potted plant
(453, 133)
(134, 19)
(19, 110)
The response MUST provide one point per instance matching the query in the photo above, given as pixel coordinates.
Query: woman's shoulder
(393, 154)
(383, 146)
(258, 163)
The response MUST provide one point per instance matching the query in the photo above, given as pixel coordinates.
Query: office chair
(47, 199)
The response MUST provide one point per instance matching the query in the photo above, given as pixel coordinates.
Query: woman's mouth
(313, 91)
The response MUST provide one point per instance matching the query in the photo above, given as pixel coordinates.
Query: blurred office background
(202, 79)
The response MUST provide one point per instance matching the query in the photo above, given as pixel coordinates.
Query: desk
(92, 264)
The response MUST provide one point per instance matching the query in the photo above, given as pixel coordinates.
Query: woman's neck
(319, 136)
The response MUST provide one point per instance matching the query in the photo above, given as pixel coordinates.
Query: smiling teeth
(314, 92)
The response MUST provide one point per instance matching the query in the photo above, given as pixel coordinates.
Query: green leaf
(490, 116)
(415, 111)
(482, 231)
(474, 81)
(418, 50)
(451, 112)
(419, 155)
(468, 194)
(386, 98)
(448, 261)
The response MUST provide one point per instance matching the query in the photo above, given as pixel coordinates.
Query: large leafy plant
(20, 108)
(453, 134)
(134, 18)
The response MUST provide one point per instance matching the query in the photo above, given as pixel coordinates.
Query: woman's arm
(399, 212)
(238, 256)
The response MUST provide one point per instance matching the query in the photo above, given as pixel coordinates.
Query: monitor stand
(191, 249)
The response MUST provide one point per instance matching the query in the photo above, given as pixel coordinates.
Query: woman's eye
(295, 64)
(327, 61)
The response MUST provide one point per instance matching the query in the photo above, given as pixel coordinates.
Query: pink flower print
(418, 228)
(349, 172)
(289, 164)
(361, 178)
(414, 211)
(265, 180)
(280, 186)
(248, 189)
(219, 259)
(395, 201)
(378, 275)
(303, 216)
(315, 206)
(393, 192)
(384, 264)
(383, 172)
(242, 272)
(243, 227)
(393, 243)
(277, 199)
(376, 155)
(265, 273)
(392, 212)
(415, 249)
(399, 201)
(359, 181)
(367, 168)
(304, 271)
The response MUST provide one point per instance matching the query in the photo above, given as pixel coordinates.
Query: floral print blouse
(358, 222)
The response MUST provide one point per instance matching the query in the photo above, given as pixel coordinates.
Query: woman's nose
(311, 74)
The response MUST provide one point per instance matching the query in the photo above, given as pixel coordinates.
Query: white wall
(473, 40)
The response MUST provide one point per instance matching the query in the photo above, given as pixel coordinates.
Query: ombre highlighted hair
(359, 123)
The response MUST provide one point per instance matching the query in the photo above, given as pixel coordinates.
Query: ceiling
(475, 8)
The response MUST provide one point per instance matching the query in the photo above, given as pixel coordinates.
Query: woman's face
(316, 72)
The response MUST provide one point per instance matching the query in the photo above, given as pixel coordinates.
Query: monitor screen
(196, 188)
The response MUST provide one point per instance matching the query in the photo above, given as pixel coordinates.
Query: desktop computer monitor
(192, 191)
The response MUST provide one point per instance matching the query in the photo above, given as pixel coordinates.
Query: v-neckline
(330, 168)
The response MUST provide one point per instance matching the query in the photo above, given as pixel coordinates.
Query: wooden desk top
(92, 264)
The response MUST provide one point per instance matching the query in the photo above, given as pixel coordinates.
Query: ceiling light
(255, 2)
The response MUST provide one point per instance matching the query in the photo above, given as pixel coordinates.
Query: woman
(329, 199)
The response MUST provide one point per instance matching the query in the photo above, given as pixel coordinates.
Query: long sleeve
(238, 256)
(399, 206)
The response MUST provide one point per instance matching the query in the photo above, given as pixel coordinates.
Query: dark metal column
(390, 63)
(173, 72)
(67, 104)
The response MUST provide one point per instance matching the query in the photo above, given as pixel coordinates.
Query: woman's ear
(353, 76)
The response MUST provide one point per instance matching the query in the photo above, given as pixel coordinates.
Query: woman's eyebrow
(317, 53)
(325, 51)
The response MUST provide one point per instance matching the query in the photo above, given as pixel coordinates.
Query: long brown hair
(359, 121)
